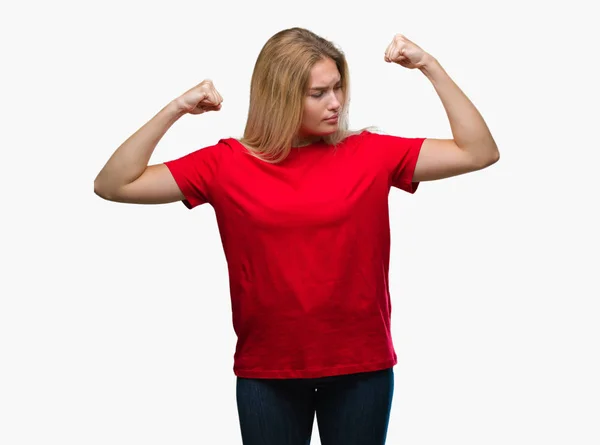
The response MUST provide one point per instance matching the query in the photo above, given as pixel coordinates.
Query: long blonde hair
(277, 91)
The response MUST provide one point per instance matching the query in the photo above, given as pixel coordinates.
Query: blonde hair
(277, 91)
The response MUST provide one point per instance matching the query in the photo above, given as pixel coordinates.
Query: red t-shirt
(307, 243)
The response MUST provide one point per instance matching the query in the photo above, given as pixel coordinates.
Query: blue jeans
(352, 409)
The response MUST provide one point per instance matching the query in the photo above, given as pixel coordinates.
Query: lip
(332, 119)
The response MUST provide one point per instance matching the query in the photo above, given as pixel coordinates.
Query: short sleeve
(399, 156)
(196, 174)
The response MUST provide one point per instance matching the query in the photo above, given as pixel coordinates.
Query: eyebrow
(324, 88)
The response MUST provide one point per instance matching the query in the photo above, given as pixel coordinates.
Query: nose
(334, 104)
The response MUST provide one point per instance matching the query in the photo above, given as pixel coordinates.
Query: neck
(303, 141)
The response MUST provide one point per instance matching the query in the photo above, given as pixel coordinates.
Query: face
(323, 99)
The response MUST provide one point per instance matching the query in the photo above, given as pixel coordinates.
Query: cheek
(311, 115)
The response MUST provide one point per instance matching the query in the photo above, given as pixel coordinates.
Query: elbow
(492, 157)
(495, 157)
(101, 192)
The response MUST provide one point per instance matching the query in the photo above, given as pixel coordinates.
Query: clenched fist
(203, 97)
(405, 53)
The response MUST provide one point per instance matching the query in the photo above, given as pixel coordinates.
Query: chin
(328, 129)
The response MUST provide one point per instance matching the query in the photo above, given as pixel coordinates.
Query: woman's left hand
(406, 53)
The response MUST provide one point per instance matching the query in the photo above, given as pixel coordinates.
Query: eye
(337, 87)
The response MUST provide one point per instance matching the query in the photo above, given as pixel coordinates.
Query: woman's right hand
(203, 97)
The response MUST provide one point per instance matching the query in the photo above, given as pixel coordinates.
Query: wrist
(177, 107)
(430, 66)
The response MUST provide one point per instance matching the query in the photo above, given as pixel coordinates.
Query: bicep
(442, 158)
(155, 186)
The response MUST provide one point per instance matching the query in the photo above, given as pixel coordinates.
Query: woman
(302, 208)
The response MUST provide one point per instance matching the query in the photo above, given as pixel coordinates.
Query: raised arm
(472, 147)
(126, 177)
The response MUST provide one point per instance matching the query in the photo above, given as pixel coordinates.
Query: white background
(115, 319)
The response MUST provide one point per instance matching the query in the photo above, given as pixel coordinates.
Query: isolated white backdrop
(115, 319)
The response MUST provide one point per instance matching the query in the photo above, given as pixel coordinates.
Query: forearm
(130, 160)
(469, 130)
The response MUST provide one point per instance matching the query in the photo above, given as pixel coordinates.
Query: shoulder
(229, 143)
(376, 135)
(209, 157)
(234, 147)
(387, 143)
(356, 139)
(374, 138)
(219, 151)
